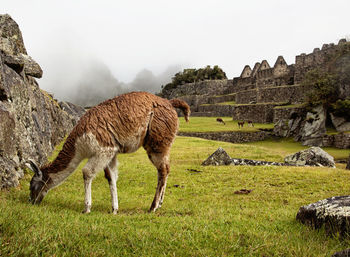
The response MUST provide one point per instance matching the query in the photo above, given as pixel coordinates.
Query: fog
(96, 49)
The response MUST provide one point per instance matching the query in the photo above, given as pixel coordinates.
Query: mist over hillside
(94, 82)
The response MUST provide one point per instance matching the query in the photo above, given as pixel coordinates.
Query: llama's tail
(183, 106)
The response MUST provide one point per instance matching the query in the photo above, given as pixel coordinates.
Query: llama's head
(37, 187)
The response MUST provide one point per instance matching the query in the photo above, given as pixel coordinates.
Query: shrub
(193, 75)
(324, 88)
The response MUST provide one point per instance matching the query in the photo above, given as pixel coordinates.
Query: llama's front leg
(87, 185)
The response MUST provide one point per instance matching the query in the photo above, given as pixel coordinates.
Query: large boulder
(315, 127)
(314, 156)
(333, 213)
(31, 121)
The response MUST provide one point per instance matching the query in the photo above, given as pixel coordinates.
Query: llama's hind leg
(161, 162)
(94, 165)
(111, 174)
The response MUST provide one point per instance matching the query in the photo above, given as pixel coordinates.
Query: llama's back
(129, 121)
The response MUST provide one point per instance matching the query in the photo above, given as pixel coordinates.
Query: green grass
(286, 146)
(290, 106)
(221, 103)
(209, 124)
(227, 103)
(200, 217)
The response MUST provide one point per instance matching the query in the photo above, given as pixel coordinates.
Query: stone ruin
(256, 93)
(32, 123)
(266, 94)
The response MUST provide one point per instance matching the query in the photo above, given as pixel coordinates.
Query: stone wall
(206, 87)
(31, 121)
(281, 94)
(246, 97)
(292, 94)
(341, 140)
(221, 98)
(258, 113)
(285, 113)
(232, 137)
(217, 110)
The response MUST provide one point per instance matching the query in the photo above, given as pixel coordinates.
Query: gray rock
(235, 161)
(24, 63)
(340, 123)
(333, 213)
(219, 157)
(315, 127)
(31, 121)
(281, 128)
(314, 156)
(344, 253)
(74, 111)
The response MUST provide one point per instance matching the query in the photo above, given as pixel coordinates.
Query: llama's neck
(56, 173)
(64, 164)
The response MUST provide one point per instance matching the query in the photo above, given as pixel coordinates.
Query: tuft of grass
(209, 124)
(227, 103)
(201, 216)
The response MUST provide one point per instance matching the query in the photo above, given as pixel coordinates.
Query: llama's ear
(32, 165)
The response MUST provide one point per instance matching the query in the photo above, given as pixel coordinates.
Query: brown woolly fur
(64, 157)
(177, 103)
(119, 125)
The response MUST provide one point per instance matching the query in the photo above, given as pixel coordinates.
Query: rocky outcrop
(31, 121)
(314, 156)
(340, 123)
(333, 213)
(221, 157)
(74, 111)
(315, 127)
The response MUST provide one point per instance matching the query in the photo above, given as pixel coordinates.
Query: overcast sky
(162, 36)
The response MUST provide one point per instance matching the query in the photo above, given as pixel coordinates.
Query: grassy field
(209, 124)
(201, 215)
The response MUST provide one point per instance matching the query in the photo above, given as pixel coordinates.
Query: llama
(220, 120)
(250, 123)
(119, 125)
(240, 124)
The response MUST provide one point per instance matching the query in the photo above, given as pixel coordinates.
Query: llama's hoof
(114, 211)
(87, 210)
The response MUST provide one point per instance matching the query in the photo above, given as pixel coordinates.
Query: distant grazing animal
(119, 125)
(250, 123)
(240, 124)
(220, 120)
